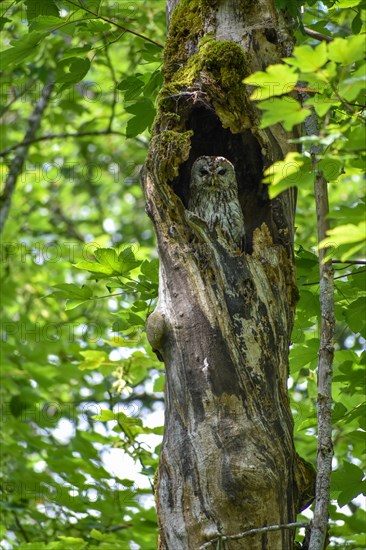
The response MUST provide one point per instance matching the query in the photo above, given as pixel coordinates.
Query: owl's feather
(214, 198)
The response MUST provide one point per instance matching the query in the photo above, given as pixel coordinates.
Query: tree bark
(319, 528)
(224, 319)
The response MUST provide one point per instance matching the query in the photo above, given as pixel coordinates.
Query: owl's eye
(221, 172)
(204, 172)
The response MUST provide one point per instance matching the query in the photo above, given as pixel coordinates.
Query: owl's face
(212, 172)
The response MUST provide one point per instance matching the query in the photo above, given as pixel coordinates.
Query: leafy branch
(107, 20)
(317, 35)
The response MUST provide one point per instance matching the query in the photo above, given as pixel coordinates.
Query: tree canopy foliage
(82, 391)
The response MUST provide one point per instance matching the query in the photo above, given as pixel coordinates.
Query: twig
(350, 262)
(349, 274)
(317, 35)
(338, 277)
(238, 536)
(16, 166)
(20, 527)
(125, 29)
(345, 103)
(62, 135)
(114, 528)
(115, 82)
(7, 8)
(326, 353)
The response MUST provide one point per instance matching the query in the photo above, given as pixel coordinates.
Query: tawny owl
(214, 198)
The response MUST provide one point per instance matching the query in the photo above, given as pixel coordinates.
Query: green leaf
(36, 8)
(343, 4)
(126, 321)
(105, 416)
(132, 85)
(75, 295)
(95, 26)
(92, 359)
(94, 267)
(345, 234)
(120, 325)
(355, 316)
(151, 52)
(307, 265)
(351, 87)
(3, 21)
(72, 543)
(23, 48)
(308, 306)
(144, 112)
(347, 481)
(77, 69)
(276, 80)
(154, 84)
(108, 263)
(47, 22)
(347, 50)
(34, 546)
(308, 59)
(302, 355)
(321, 103)
(159, 383)
(294, 170)
(97, 535)
(338, 413)
(150, 269)
(331, 167)
(286, 110)
(108, 258)
(135, 320)
(356, 24)
(72, 304)
(127, 261)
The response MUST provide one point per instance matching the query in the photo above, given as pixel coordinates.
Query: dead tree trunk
(224, 318)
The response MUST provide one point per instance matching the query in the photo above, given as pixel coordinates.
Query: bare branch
(317, 35)
(222, 538)
(326, 354)
(16, 166)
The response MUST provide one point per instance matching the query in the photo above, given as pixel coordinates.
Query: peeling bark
(223, 321)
